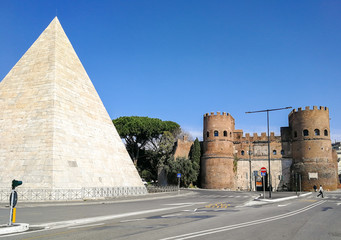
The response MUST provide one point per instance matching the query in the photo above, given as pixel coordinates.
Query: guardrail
(156, 188)
(27, 195)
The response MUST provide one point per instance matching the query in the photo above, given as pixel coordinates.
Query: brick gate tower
(217, 159)
(311, 148)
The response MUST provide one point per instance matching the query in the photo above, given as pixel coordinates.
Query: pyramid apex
(55, 20)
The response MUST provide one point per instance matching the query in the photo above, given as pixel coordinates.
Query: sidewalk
(15, 228)
(281, 196)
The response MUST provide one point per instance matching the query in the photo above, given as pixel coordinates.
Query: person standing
(315, 188)
(320, 191)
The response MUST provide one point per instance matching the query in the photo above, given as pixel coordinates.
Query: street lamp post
(267, 117)
(250, 166)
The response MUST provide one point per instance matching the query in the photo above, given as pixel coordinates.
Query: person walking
(320, 191)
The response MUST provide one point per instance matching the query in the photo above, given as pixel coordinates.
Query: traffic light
(16, 183)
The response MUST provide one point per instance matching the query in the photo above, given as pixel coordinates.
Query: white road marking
(283, 205)
(171, 215)
(133, 220)
(184, 204)
(241, 225)
(83, 226)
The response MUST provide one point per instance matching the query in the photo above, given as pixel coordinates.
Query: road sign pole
(300, 179)
(10, 223)
(263, 187)
(179, 184)
(179, 176)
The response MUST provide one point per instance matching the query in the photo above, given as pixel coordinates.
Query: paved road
(195, 215)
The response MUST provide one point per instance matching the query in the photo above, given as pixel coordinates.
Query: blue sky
(177, 60)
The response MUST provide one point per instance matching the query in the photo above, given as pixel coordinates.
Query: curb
(283, 199)
(261, 201)
(15, 228)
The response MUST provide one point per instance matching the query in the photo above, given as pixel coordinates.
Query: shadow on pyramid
(55, 134)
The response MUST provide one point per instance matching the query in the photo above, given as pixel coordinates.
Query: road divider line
(82, 221)
(83, 226)
(171, 215)
(181, 204)
(240, 225)
(133, 220)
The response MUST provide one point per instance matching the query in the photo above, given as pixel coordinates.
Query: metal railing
(27, 195)
(156, 188)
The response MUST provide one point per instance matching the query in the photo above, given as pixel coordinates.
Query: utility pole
(250, 165)
(267, 117)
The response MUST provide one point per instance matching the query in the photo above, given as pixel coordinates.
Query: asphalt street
(201, 214)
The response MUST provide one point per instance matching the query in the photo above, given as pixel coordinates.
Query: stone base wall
(313, 173)
(44, 195)
(217, 173)
(280, 173)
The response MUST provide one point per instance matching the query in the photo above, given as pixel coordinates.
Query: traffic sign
(263, 170)
(179, 175)
(15, 199)
(263, 174)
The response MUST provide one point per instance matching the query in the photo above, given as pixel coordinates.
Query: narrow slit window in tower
(325, 132)
(216, 133)
(242, 152)
(274, 152)
(208, 134)
(317, 132)
(295, 134)
(225, 133)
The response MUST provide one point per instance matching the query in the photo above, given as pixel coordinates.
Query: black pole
(269, 165)
(267, 113)
(250, 167)
(296, 182)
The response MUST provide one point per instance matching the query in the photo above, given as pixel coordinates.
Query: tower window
(282, 152)
(216, 133)
(305, 132)
(225, 133)
(274, 152)
(325, 132)
(317, 132)
(242, 152)
(208, 134)
(295, 134)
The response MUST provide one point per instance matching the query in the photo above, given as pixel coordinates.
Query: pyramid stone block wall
(55, 132)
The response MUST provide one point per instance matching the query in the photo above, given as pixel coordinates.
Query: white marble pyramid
(55, 134)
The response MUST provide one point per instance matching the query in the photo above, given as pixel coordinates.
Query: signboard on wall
(313, 175)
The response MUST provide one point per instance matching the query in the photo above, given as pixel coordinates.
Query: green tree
(143, 133)
(163, 156)
(184, 166)
(195, 155)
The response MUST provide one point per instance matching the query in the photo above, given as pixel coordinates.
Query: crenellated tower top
(309, 123)
(218, 125)
(307, 108)
(215, 115)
